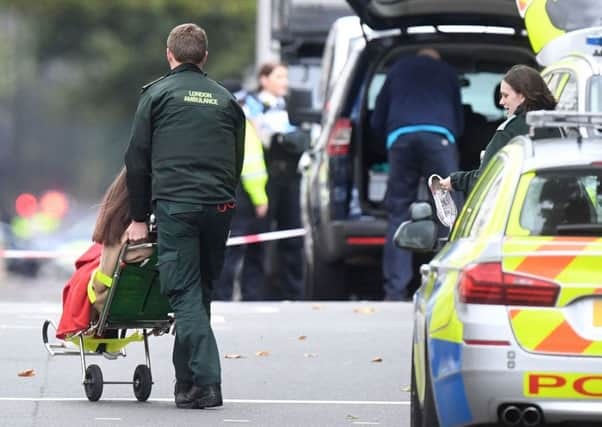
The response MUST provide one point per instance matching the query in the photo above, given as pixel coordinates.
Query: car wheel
(323, 280)
(415, 410)
(429, 411)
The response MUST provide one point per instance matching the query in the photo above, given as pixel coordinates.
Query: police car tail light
(486, 283)
(340, 138)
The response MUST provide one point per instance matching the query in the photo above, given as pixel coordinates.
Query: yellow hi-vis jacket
(254, 173)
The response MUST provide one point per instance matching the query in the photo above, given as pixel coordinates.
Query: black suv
(344, 173)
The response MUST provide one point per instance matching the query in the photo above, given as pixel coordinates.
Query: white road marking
(366, 423)
(320, 402)
(236, 421)
(107, 419)
(19, 327)
(34, 308)
(250, 401)
(30, 316)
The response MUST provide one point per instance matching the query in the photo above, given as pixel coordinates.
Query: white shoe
(446, 208)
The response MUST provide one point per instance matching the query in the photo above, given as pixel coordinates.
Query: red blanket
(76, 306)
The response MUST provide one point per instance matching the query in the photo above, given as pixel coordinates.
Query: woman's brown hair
(114, 215)
(268, 68)
(529, 83)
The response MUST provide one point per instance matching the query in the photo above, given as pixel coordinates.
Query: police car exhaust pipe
(511, 415)
(531, 416)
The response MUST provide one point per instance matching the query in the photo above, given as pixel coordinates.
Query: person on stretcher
(86, 291)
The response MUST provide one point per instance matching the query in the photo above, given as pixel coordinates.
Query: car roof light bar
(544, 118)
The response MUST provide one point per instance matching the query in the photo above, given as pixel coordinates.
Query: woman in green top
(522, 89)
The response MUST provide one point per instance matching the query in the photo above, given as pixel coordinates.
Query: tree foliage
(72, 81)
(111, 48)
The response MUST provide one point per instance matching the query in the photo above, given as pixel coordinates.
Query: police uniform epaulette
(146, 86)
(503, 125)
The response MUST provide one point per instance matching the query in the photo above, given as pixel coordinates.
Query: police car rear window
(566, 203)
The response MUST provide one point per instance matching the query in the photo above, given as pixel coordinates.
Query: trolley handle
(146, 245)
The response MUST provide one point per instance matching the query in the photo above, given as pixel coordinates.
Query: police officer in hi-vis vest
(186, 155)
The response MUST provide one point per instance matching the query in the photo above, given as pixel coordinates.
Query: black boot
(200, 397)
(180, 390)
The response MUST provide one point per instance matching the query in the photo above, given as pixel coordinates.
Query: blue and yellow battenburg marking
(445, 356)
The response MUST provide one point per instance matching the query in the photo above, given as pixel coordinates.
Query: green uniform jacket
(188, 135)
(515, 125)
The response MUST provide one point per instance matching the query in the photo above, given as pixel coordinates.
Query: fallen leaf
(316, 307)
(27, 373)
(364, 310)
(352, 417)
(233, 356)
(406, 388)
(310, 354)
(377, 359)
(301, 337)
(262, 353)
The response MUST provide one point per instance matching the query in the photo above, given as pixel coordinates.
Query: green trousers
(191, 243)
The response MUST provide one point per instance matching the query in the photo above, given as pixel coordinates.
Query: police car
(508, 319)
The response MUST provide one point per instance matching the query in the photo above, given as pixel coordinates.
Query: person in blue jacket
(419, 113)
(283, 144)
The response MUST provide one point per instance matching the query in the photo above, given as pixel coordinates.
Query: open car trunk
(394, 14)
(480, 66)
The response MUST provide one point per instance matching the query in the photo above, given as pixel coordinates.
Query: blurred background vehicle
(344, 173)
(45, 234)
(70, 243)
(299, 29)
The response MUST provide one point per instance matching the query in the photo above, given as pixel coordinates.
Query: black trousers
(285, 213)
(191, 242)
(412, 156)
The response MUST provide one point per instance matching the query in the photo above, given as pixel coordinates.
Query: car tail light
(340, 138)
(486, 283)
(377, 241)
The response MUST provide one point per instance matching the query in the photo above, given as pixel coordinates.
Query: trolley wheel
(143, 382)
(45, 331)
(93, 384)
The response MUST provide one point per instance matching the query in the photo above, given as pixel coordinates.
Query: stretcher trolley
(133, 310)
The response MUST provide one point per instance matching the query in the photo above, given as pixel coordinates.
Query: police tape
(232, 241)
(265, 237)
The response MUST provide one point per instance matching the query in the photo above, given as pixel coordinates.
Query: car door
(480, 225)
(444, 267)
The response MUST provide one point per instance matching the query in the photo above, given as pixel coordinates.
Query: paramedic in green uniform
(186, 152)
